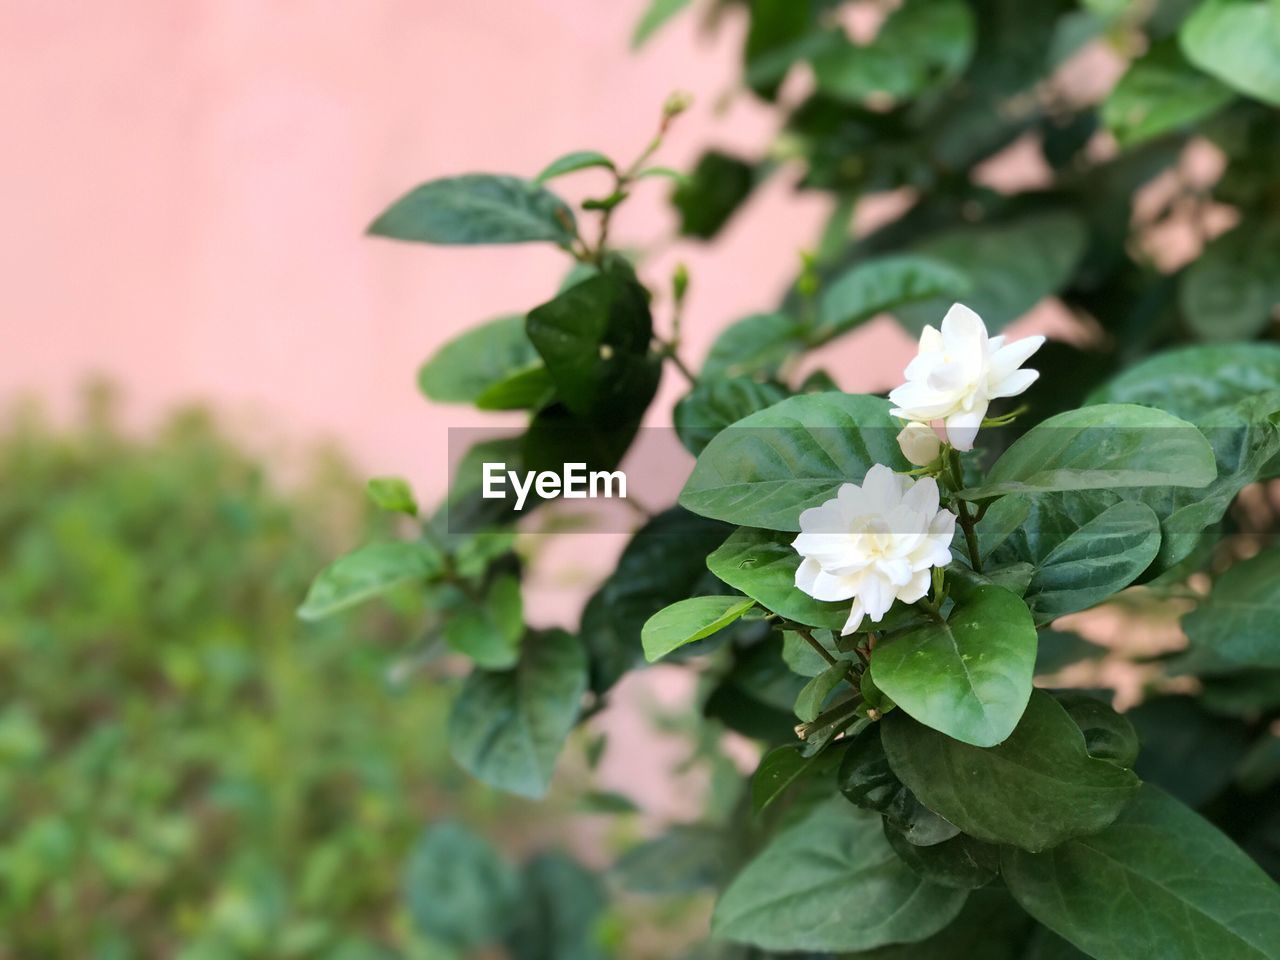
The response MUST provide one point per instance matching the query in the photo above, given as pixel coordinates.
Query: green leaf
(766, 469)
(1160, 882)
(369, 571)
(757, 345)
(969, 677)
(1185, 750)
(1237, 41)
(813, 696)
(1232, 291)
(477, 208)
(594, 338)
(1234, 628)
(762, 564)
(656, 14)
(664, 562)
(990, 927)
(708, 198)
(689, 620)
(1192, 382)
(715, 404)
(489, 632)
(1082, 547)
(528, 389)
(477, 361)
(1161, 92)
(831, 882)
(1107, 734)
(923, 44)
(686, 859)
(884, 284)
(866, 780)
(392, 494)
(779, 769)
(572, 162)
(1011, 266)
(460, 892)
(559, 912)
(1061, 648)
(962, 862)
(1035, 790)
(1103, 447)
(507, 727)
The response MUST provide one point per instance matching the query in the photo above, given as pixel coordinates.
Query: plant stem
(669, 351)
(818, 647)
(967, 523)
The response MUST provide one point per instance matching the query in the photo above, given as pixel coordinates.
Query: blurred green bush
(186, 770)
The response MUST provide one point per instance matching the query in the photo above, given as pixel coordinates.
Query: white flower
(958, 371)
(920, 445)
(874, 543)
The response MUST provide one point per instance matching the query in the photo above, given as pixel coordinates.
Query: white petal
(917, 587)
(877, 597)
(930, 339)
(1015, 383)
(962, 428)
(898, 571)
(806, 573)
(965, 335)
(923, 496)
(881, 489)
(855, 619)
(827, 586)
(1010, 357)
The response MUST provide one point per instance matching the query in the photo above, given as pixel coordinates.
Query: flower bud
(920, 445)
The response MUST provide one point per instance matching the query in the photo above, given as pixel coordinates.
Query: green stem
(967, 522)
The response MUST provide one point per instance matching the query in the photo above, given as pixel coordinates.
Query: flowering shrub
(869, 587)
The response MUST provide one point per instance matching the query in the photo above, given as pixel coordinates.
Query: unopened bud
(920, 445)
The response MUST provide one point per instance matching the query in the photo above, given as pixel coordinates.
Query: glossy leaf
(1035, 790)
(831, 882)
(969, 677)
(368, 572)
(962, 862)
(766, 469)
(813, 696)
(594, 338)
(477, 208)
(1159, 882)
(689, 620)
(762, 564)
(755, 346)
(507, 727)
(1082, 549)
(1102, 447)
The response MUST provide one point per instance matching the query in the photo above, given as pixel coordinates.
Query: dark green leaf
(1234, 627)
(867, 781)
(686, 859)
(1160, 882)
(459, 890)
(507, 727)
(884, 284)
(765, 470)
(1185, 750)
(969, 677)
(1232, 291)
(488, 632)
(367, 572)
(1107, 734)
(779, 769)
(594, 338)
(961, 862)
(753, 346)
(1011, 266)
(477, 208)
(559, 913)
(716, 188)
(688, 620)
(990, 927)
(1061, 648)
(477, 361)
(813, 696)
(1192, 382)
(1102, 447)
(716, 403)
(1037, 789)
(831, 882)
